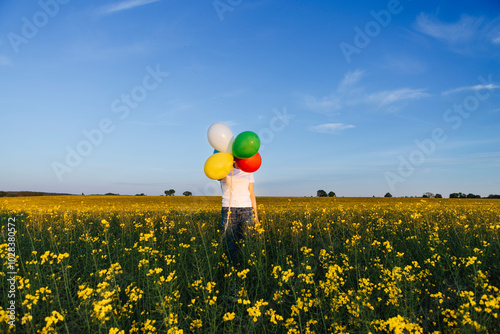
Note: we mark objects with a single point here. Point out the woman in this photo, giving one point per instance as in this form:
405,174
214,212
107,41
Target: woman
239,209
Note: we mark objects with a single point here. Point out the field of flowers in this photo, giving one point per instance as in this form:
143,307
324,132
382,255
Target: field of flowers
117,264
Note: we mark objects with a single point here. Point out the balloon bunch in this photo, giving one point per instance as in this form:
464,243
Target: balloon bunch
242,150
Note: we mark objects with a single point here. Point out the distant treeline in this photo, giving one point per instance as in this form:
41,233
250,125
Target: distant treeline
27,193
462,195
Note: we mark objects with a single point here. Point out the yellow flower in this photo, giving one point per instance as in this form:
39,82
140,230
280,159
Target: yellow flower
175,330
105,224
471,260
44,257
84,291
254,311
244,301
196,324
133,292
243,274
172,319
307,251
388,246
154,271
146,236
276,270
143,262
210,286
114,330
229,316
53,319
286,275
274,316
61,257
169,278
148,326
24,283
26,318
102,310
170,259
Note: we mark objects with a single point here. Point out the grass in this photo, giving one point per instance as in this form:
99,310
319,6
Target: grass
115,264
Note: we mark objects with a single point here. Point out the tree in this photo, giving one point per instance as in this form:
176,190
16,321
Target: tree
331,194
388,195
428,195
187,193
439,196
461,195
321,193
493,196
170,192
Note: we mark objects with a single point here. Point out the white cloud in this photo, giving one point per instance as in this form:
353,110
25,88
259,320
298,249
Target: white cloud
391,96
350,93
470,88
333,128
469,35
124,5
464,30
351,78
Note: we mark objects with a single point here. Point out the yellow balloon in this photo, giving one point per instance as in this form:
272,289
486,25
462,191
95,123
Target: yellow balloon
218,165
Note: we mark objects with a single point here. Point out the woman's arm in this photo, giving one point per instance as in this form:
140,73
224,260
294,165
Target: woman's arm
254,202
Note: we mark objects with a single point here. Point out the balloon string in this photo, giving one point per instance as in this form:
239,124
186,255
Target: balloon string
230,198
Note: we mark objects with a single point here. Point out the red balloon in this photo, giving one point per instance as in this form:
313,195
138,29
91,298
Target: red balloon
249,165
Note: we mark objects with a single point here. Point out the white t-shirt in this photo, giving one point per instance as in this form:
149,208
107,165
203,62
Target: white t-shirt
235,188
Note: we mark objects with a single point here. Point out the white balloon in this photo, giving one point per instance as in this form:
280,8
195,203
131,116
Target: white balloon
221,137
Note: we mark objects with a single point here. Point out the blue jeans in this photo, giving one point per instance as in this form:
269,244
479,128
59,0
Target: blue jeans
235,228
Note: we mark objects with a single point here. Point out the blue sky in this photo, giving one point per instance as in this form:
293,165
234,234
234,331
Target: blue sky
360,98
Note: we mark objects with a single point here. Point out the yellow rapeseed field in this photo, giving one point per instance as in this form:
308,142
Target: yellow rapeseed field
138,264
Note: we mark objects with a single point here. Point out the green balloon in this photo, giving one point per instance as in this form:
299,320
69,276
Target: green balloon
246,144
